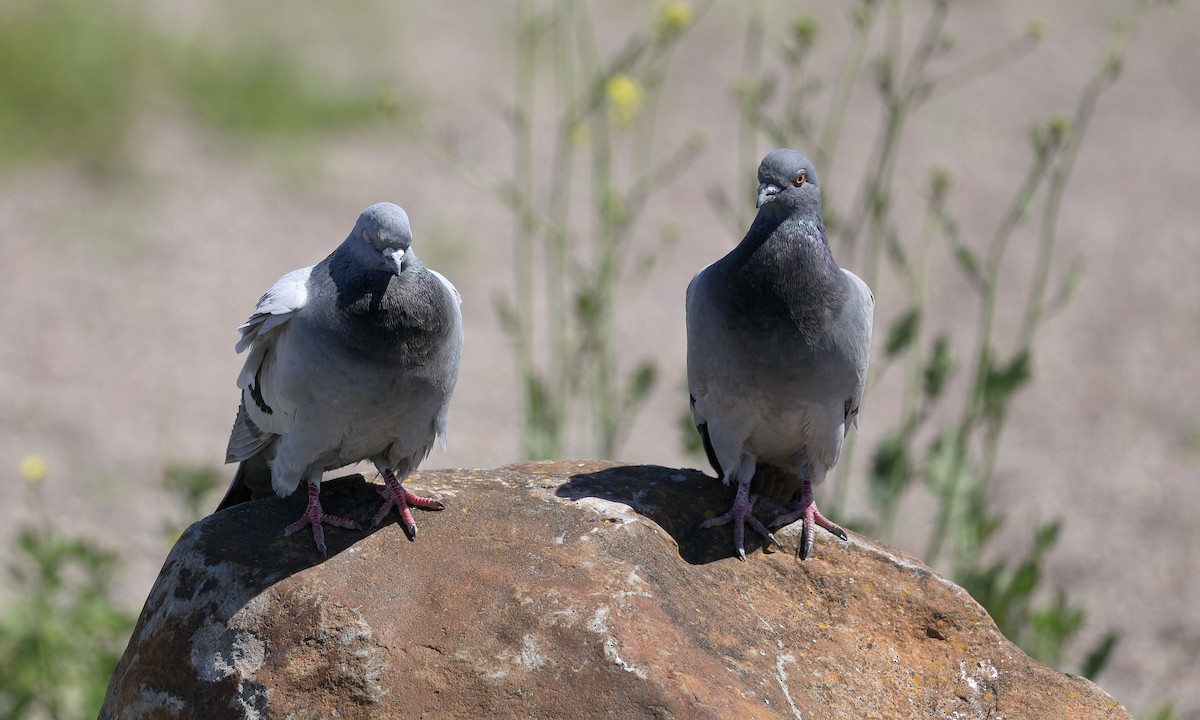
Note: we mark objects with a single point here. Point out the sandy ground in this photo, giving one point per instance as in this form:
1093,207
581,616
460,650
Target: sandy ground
120,298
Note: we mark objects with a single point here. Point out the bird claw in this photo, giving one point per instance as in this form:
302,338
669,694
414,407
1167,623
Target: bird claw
804,549
316,516
397,496
771,541
740,515
813,518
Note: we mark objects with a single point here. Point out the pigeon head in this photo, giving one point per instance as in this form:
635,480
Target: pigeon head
382,238
787,182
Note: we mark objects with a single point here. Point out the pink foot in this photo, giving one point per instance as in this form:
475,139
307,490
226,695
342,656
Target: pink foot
806,508
314,516
395,495
741,513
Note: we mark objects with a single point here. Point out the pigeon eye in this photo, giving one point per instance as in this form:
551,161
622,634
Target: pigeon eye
366,237
800,178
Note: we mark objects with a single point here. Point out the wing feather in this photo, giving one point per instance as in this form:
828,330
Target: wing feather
263,414
275,307
858,323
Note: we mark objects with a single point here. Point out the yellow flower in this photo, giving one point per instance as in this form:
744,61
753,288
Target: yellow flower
624,96
33,468
673,18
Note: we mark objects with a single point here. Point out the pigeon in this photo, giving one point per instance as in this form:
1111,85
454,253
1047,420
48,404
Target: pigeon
778,339
354,358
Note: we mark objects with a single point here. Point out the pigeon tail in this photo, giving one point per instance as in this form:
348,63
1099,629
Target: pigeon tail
252,481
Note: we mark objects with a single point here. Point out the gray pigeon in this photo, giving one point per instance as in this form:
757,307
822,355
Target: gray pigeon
778,341
354,358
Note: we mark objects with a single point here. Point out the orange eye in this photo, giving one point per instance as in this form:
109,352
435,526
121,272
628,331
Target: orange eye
800,178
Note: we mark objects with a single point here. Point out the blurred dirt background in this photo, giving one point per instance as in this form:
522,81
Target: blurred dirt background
123,278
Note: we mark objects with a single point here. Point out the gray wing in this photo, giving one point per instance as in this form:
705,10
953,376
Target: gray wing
854,333
698,314
722,410
701,425
265,413
452,359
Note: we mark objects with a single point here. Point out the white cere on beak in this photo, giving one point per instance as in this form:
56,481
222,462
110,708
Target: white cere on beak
766,193
394,257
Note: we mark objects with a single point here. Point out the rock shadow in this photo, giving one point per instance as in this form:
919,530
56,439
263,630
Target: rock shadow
218,568
258,526
677,500
230,557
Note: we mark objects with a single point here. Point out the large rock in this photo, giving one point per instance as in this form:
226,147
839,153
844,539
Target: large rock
563,590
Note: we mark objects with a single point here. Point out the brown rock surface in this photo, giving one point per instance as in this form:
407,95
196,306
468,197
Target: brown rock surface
566,589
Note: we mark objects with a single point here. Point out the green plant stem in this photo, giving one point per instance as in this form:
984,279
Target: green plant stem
1056,183
559,242
524,225
900,96
835,113
912,403
1100,81
562,321
973,403
980,66
598,288
747,131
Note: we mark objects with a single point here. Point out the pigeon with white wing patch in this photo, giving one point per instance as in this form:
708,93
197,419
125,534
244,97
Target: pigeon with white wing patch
354,358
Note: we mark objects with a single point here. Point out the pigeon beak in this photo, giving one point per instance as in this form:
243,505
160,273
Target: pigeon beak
395,259
766,193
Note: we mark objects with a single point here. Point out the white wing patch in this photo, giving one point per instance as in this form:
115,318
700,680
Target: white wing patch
275,307
263,415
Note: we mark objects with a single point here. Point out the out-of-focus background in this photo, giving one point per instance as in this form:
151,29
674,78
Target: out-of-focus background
162,163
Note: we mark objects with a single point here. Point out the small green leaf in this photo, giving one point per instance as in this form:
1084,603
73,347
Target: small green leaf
940,182
881,201
641,382
979,522
1099,655
1164,712
1025,579
587,306
804,32
941,463
940,367
1002,382
1046,536
903,332
891,470
967,262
